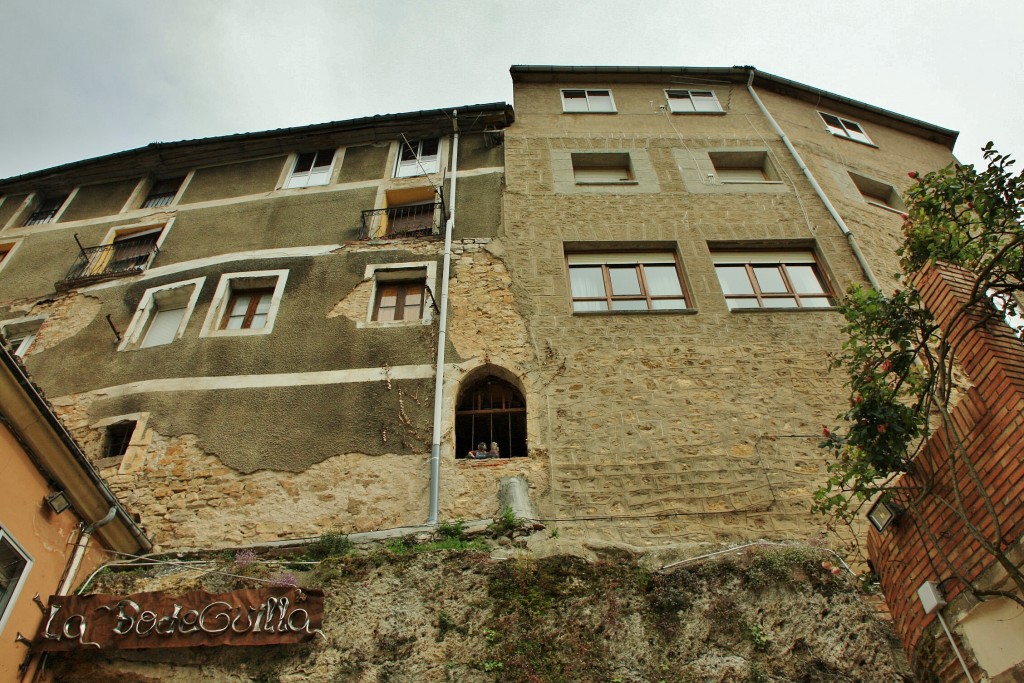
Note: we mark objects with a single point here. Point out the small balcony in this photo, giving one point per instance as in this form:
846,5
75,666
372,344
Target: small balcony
393,222
109,261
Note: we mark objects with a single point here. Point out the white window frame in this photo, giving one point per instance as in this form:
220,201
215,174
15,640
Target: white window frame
295,181
783,258
36,199
845,129
586,97
7,247
8,609
138,328
421,165
27,328
407,270
221,298
673,95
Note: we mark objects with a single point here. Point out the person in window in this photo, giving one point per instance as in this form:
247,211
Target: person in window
495,451
481,452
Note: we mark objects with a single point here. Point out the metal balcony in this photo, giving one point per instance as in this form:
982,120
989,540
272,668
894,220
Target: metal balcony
413,220
108,261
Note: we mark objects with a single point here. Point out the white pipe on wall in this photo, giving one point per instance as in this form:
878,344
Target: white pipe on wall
814,184
449,226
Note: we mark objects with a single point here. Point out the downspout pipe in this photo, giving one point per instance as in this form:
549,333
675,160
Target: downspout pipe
442,331
814,184
80,547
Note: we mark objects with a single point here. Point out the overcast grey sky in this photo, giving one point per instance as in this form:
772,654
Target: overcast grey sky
86,78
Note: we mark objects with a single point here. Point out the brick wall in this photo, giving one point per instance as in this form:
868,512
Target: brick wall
931,542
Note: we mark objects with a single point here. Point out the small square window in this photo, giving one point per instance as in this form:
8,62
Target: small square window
418,157
771,280
245,303
117,438
693,102
401,300
47,207
877,193
311,168
19,334
584,101
401,294
162,193
162,314
14,567
742,167
844,128
625,281
601,168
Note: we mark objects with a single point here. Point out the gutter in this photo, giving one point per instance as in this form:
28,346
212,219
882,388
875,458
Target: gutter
84,466
442,332
814,184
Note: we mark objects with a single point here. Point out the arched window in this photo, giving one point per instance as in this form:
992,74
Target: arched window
490,411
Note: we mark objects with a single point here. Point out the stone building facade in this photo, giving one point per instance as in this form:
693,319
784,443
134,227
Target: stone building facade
213,318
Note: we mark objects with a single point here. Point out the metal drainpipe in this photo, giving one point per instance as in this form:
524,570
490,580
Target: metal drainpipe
814,184
83,543
435,441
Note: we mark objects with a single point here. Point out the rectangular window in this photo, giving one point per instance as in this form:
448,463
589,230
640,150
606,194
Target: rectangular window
311,168
692,101
399,300
117,438
162,193
245,303
418,157
742,167
877,193
247,309
20,333
133,251
844,128
771,280
162,314
582,101
595,168
163,325
46,209
14,566
625,281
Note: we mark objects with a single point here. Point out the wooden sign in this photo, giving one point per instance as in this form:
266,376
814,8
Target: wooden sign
268,616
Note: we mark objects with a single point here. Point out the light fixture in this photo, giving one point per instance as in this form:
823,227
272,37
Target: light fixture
884,512
58,502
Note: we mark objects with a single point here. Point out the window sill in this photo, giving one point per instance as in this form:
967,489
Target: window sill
827,309
589,112
859,142
662,311
607,182
699,113
488,462
751,182
887,208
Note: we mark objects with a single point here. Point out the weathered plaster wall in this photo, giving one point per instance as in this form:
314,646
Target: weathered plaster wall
234,180
9,206
102,199
364,162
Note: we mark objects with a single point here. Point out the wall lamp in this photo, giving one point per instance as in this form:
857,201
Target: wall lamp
884,512
58,502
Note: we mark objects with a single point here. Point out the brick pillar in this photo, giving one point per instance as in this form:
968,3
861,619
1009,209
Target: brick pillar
984,345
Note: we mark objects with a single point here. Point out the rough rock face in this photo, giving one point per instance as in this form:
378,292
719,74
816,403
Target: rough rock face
407,613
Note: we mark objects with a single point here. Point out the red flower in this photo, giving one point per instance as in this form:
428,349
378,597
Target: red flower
913,174
825,432
886,365
881,429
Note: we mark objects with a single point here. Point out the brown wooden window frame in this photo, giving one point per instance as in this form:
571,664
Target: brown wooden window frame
781,263
251,308
405,287
638,264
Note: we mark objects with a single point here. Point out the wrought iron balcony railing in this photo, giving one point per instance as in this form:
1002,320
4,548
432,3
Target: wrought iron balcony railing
413,220
108,261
